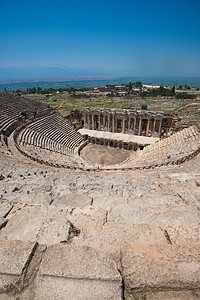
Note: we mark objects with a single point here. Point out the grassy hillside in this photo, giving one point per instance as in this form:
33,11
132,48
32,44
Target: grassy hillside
66,101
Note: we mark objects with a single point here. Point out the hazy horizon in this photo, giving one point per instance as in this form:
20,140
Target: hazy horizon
32,73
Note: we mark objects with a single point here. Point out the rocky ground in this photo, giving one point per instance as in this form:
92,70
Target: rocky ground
106,235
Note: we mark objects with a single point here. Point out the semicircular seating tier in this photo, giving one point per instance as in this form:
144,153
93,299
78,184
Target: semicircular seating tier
14,110
52,133
179,146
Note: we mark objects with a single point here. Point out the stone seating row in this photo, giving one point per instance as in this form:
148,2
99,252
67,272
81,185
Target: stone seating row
176,138
181,143
56,123
8,124
31,137
53,156
49,133
12,104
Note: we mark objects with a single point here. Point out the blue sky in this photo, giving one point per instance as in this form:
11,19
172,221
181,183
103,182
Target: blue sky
148,38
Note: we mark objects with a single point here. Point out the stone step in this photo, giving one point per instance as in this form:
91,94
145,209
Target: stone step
162,215
149,268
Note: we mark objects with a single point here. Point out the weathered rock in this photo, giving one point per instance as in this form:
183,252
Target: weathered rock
46,225
3,222
71,273
73,200
81,216
153,267
5,208
19,265
106,202
2,177
158,215
184,233
47,287
111,237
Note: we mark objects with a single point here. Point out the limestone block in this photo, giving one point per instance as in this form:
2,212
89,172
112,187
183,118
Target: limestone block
83,262
58,288
72,200
77,273
47,225
111,237
22,228
153,267
81,216
156,199
157,215
184,233
106,202
13,257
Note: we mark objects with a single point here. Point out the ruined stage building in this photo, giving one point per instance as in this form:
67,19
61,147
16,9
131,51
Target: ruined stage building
124,121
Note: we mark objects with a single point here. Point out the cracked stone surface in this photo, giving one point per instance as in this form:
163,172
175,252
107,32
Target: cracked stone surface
161,216
3,222
84,269
150,267
184,234
111,237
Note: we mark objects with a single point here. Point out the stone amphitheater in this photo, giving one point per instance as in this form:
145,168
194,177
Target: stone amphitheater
73,229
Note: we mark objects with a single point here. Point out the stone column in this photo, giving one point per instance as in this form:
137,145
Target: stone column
88,119
147,130
154,125
113,125
104,121
92,121
123,125
140,125
84,118
129,123
160,126
109,122
134,123
99,122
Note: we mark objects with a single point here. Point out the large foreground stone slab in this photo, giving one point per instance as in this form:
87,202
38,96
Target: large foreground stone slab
13,256
163,215
58,288
153,267
19,265
77,273
44,224
111,237
83,262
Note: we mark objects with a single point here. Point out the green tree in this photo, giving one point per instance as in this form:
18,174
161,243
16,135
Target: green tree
173,90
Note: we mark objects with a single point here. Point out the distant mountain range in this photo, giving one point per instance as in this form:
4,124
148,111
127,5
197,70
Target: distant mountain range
13,78
38,73
9,74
